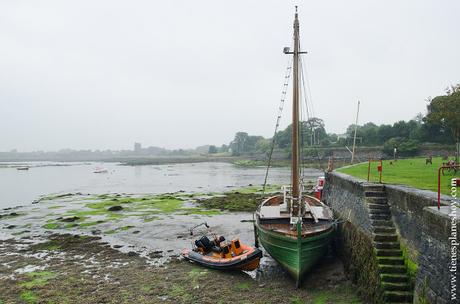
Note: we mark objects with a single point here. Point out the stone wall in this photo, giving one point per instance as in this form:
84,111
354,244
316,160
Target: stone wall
426,232
422,229
354,234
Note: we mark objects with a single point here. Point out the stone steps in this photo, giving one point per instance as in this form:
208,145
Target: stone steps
379,187
389,252
398,296
380,216
379,212
375,207
374,194
391,260
386,245
385,237
394,278
384,229
377,200
396,286
393,272
381,223
392,269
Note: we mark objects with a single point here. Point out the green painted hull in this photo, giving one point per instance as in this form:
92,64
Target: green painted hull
296,255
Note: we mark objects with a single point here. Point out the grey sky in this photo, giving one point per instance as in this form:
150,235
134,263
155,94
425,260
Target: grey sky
103,74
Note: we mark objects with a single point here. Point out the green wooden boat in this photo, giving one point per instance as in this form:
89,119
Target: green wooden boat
299,245
295,229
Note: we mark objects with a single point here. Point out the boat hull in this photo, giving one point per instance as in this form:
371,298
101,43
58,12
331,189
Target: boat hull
295,254
247,261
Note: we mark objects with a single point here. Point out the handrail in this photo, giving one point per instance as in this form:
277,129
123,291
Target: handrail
439,180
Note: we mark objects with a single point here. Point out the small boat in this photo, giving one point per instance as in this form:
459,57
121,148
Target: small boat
22,168
100,170
222,255
294,228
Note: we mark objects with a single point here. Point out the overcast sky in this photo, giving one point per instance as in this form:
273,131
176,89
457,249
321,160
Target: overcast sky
178,74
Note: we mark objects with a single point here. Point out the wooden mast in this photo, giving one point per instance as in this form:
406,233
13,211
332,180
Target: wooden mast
295,118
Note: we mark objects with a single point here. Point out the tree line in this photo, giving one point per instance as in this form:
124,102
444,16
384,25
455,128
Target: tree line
440,125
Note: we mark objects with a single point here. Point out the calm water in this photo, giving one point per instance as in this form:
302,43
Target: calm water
44,178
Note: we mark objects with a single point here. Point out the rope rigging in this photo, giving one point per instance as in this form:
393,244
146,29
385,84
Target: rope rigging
287,76
304,107
302,77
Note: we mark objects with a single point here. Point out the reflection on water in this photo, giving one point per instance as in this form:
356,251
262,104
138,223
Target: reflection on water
19,187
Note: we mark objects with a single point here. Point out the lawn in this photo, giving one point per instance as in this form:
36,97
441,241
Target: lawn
412,172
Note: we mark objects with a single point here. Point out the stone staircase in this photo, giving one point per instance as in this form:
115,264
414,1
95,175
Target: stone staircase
393,272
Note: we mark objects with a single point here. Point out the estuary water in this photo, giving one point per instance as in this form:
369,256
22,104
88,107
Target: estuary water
22,187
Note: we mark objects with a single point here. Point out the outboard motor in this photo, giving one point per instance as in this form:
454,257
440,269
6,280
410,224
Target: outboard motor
204,244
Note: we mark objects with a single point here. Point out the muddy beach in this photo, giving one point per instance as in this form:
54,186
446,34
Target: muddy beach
125,248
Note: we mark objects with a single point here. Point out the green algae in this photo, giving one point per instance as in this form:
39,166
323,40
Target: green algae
168,205
49,245
38,279
150,219
123,228
55,207
89,224
197,211
55,197
51,226
233,201
148,208
257,189
10,215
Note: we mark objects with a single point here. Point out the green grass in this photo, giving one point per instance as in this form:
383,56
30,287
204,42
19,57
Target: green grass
412,172
341,295
242,286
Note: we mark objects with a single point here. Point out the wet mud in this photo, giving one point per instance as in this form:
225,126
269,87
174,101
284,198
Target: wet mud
121,248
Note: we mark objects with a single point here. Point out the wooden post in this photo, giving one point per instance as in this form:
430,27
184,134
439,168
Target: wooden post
354,137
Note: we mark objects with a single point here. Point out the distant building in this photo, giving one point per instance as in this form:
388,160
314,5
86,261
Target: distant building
137,147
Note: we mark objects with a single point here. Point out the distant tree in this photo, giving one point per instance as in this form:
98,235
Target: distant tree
314,127
244,143
251,143
263,145
369,134
239,142
311,132
212,149
223,148
445,111
404,146
283,138
384,133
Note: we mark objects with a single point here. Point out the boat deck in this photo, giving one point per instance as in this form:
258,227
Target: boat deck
274,216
